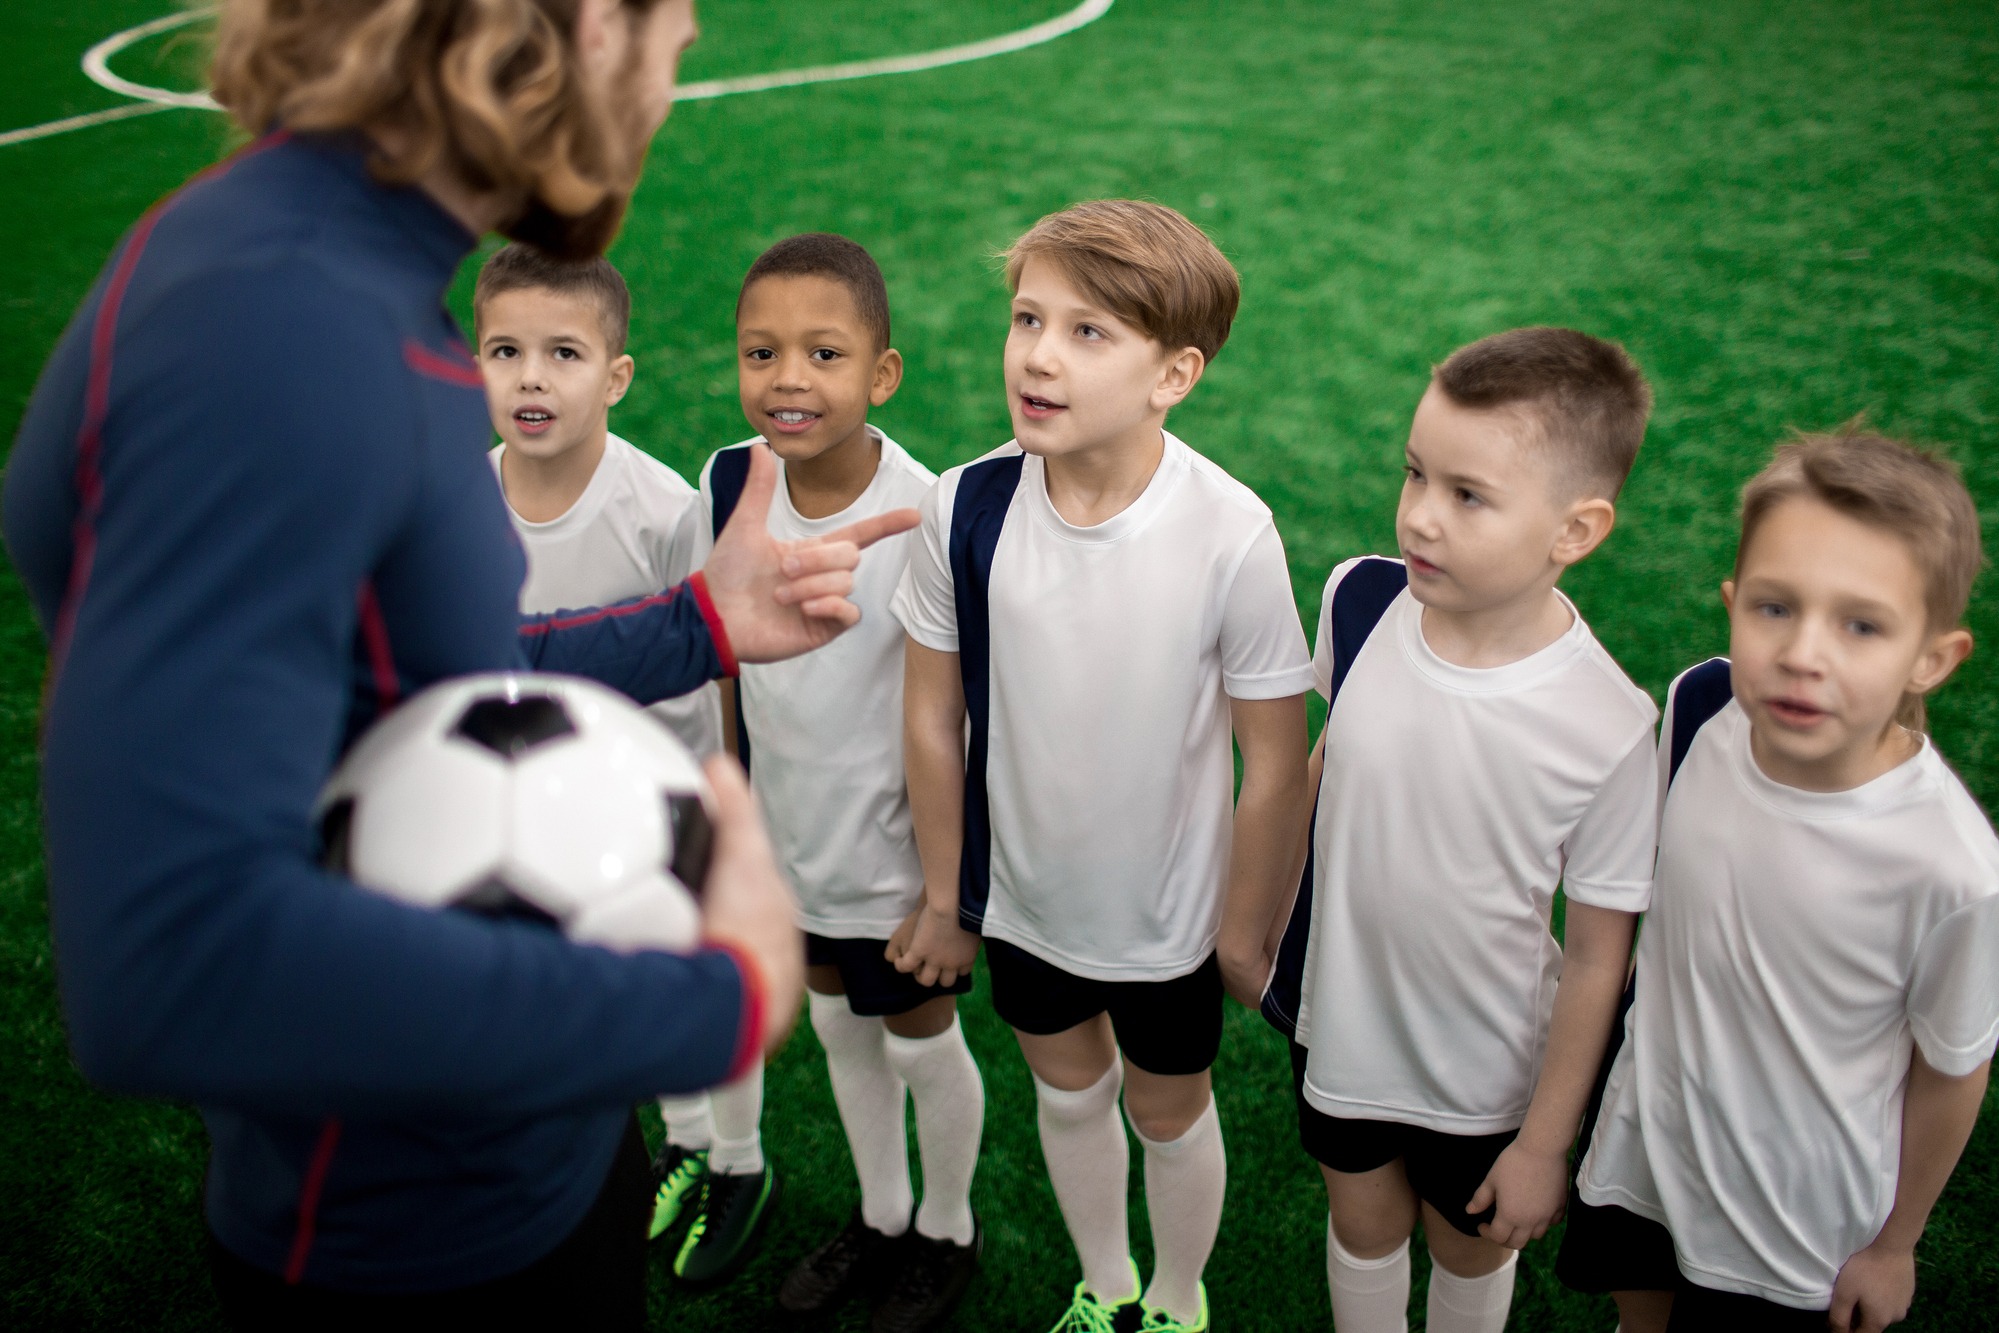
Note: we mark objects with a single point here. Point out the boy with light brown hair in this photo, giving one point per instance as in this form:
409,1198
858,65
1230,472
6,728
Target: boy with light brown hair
1480,748
1093,611
1814,1016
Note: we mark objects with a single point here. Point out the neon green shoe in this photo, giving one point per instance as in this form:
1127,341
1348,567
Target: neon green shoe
678,1172
728,1224
1089,1314
1159,1321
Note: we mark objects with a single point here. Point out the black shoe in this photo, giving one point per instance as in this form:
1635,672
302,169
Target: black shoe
836,1270
929,1278
731,1217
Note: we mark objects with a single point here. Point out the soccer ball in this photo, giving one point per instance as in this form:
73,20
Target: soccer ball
524,795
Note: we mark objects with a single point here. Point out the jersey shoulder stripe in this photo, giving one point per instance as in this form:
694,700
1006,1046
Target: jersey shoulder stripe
985,492
1360,598
1693,699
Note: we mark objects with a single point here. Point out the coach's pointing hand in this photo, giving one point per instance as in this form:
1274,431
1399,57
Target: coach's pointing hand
779,599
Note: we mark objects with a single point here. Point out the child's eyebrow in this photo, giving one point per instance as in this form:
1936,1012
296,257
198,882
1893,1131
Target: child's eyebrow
820,335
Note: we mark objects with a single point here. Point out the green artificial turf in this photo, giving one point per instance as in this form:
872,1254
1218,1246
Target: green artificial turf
1788,211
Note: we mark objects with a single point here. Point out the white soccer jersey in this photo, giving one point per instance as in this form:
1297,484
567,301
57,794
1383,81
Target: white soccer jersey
1114,651
826,729
1454,800
1799,944
637,528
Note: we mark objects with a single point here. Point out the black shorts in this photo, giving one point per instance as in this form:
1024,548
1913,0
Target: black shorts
1606,1248
874,988
1445,1170
1163,1027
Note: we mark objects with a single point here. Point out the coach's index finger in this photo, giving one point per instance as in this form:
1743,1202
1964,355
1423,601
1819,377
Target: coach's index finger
871,530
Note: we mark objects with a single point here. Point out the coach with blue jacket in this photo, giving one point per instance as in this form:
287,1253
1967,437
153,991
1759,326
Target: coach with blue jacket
251,502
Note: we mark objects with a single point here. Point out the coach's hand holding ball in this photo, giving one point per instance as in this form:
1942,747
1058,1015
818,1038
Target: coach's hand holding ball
748,905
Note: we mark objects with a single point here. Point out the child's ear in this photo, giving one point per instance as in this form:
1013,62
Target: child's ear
1177,377
1944,654
888,377
622,370
1728,595
1588,522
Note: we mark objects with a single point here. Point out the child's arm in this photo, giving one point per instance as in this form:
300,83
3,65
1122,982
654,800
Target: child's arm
1315,774
1268,814
930,943
1528,1185
1938,1111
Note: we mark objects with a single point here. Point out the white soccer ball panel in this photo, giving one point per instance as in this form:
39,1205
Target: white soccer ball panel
587,818
430,823
654,912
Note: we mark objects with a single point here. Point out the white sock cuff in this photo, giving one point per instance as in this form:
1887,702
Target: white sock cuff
1475,1295
1080,1103
828,1010
1208,1121
1400,1254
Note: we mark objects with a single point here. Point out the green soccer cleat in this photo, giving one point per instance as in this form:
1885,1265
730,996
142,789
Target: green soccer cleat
1159,1321
1088,1314
678,1173
728,1222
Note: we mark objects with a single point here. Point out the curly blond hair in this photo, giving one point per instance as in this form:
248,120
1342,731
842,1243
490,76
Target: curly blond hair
491,90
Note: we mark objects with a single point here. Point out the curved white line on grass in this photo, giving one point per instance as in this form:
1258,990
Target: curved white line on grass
82,122
97,65
1005,44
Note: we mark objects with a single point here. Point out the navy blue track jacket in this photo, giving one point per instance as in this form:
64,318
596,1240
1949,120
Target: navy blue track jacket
251,502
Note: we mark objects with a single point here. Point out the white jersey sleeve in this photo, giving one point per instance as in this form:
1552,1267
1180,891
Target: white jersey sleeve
925,602
1263,647
1607,860
1954,992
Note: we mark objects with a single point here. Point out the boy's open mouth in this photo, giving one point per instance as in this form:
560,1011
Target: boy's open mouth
1039,409
534,420
1796,712
792,420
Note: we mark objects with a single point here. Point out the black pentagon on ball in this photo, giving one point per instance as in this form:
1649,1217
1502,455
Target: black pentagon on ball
693,841
496,899
512,727
336,834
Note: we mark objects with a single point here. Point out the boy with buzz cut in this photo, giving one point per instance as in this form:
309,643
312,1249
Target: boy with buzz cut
1480,748
822,737
1814,1012
1092,609
601,522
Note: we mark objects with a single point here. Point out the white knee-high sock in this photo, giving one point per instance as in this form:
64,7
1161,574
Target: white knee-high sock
1369,1295
1185,1179
1470,1304
736,1109
950,1120
687,1122
1088,1164
869,1094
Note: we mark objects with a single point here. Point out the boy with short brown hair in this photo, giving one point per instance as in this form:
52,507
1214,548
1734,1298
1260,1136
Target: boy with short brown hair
1480,748
1814,1015
1105,607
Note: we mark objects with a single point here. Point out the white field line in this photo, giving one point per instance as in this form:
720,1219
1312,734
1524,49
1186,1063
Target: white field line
97,65
82,122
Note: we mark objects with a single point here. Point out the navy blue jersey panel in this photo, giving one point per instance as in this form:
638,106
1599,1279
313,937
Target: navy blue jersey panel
1699,694
727,475
251,503
1359,602
985,492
